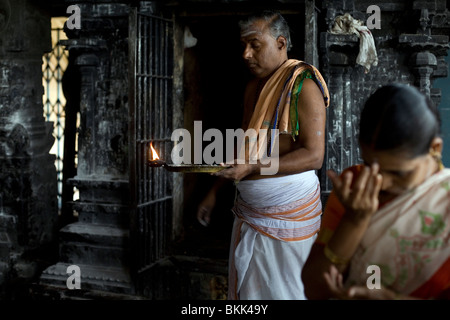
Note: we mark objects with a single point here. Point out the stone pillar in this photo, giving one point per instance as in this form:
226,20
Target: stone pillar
99,241
28,191
423,64
427,49
339,55
311,33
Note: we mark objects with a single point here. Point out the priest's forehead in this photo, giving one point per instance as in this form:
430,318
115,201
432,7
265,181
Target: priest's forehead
257,28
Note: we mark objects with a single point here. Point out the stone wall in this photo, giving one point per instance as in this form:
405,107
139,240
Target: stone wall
28,207
411,46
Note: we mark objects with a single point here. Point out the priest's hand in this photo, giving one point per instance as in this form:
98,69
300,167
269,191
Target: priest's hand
237,171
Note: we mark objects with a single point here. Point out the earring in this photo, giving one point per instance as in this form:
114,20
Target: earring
438,157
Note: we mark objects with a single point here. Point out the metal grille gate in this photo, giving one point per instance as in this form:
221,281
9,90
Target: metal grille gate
150,111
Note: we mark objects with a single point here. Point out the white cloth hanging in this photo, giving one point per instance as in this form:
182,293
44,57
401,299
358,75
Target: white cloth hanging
346,24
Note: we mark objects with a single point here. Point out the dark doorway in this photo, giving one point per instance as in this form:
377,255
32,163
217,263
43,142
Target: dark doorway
215,78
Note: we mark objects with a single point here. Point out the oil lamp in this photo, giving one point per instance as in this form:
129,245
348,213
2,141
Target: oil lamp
156,162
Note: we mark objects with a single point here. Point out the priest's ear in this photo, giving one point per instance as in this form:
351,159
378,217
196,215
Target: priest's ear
281,42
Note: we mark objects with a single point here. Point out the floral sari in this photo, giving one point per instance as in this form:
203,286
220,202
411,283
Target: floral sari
408,239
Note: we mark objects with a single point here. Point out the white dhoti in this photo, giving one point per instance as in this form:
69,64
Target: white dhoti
276,223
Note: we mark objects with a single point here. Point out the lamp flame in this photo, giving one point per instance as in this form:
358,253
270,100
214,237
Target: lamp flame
154,153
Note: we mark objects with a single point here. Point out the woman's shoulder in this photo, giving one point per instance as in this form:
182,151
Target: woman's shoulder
441,179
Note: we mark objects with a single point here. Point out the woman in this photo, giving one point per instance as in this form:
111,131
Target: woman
392,213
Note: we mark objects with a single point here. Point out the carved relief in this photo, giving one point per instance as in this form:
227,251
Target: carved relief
5,14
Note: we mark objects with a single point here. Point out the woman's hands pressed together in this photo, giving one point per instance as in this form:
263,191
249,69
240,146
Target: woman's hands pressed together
358,195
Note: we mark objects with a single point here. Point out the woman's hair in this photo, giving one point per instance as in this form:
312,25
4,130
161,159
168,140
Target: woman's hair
399,117
277,24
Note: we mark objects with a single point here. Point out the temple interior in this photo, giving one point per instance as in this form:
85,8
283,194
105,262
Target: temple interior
86,86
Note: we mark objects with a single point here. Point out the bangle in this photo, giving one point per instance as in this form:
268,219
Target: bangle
333,257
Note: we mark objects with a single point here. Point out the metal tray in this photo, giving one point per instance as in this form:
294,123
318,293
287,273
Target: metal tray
194,168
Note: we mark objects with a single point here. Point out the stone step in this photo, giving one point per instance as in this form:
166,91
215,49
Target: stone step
102,213
103,255
52,293
105,279
93,244
94,234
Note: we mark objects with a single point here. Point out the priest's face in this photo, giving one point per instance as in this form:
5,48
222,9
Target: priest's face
263,54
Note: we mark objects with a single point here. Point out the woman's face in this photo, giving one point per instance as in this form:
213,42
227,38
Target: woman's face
400,173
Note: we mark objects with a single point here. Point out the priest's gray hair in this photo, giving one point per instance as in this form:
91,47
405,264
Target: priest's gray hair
277,25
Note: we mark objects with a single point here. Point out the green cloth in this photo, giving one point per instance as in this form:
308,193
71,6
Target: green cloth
293,109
